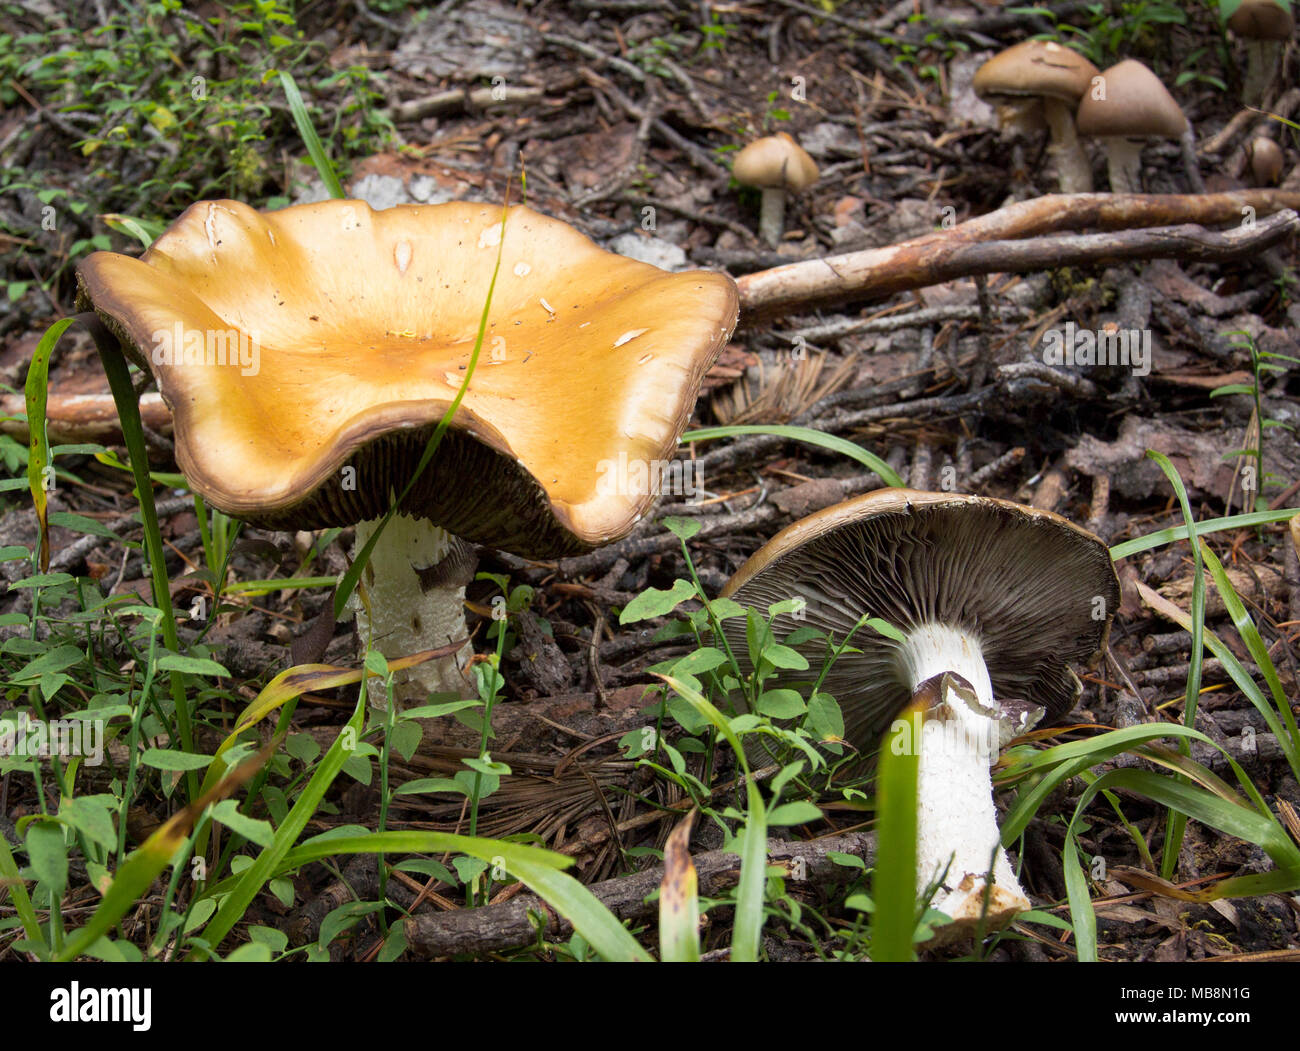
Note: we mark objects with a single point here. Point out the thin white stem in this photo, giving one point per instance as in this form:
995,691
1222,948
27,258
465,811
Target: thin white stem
1124,163
1073,169
1263,57
957,825
771,220
408,611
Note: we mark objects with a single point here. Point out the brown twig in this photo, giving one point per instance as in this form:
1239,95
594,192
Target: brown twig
971,249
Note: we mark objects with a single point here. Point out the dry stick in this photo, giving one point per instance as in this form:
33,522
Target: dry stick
497,928
928,259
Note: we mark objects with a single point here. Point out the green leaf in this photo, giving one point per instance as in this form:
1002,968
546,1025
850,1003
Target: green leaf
682,528
253,829
48,855
783,657
780,704
433,711
192,665
166,759
656,602
92,817
405,739
800,812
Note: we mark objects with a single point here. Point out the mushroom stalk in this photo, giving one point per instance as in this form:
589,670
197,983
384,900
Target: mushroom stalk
771,220
1073,169
1262,60
1124,164
957,826
415,585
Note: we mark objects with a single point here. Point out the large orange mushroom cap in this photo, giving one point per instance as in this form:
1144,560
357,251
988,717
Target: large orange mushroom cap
357,327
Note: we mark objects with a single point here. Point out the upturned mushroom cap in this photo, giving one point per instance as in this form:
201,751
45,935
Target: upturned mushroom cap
1036,590
364,323
1262,20
1135,105
1035,68
776,161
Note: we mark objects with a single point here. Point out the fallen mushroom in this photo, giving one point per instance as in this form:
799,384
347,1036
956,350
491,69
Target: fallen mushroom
1265,26
1035,82
995,600
359,327
1130,106
775,164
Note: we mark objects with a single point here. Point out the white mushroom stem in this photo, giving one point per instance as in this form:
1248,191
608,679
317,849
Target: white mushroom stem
1073,169
957,826
1263,57
1124,164
771,220
411,609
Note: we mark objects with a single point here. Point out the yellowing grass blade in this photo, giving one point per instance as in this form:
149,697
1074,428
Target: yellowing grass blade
679,902
133,878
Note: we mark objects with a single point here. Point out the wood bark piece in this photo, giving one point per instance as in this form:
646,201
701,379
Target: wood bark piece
924,260
497,928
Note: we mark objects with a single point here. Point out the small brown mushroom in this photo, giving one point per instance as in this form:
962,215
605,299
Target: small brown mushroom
1265,26
1266,161
1037,81
775,164
1128,106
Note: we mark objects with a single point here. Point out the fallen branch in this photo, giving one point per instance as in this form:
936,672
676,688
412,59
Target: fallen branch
929,259
82,417
497,928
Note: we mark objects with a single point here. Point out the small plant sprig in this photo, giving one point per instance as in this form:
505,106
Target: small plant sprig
1253,476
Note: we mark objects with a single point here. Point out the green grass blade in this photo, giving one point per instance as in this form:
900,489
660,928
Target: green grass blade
307,132
1177,822
1218,525
803,434
22,902
40,474
1064,761
1082,914
590,918
269,860
1258,651
750,891
894,879
539,870
133,878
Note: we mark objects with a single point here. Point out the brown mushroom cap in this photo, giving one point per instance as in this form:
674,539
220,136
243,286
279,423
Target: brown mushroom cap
1266,161
365,322
1262,20
775,161
1027,583
1136,105
1035,68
